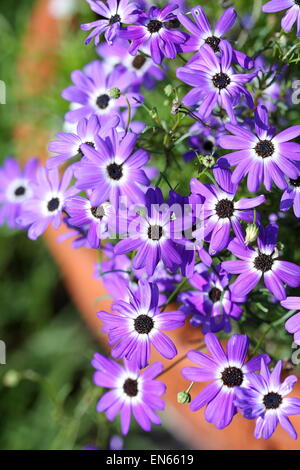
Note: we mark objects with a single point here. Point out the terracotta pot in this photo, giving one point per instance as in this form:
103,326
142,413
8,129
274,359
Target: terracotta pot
37,71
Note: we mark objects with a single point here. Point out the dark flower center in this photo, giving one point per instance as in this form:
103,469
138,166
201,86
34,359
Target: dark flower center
155,232
143,324
91,144
213,42
272,400
208,146
215,294
20,191
295,183
102,101
263,262
221,80
154,26
172,24
232,376
115,171
138,61
98,212
53,204
297,2
130,387
224,208
264,148
114,19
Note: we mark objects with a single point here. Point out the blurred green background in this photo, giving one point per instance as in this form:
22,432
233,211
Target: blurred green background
47,399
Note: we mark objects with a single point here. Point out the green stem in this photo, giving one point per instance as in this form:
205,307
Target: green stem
173,295
272,325
129,114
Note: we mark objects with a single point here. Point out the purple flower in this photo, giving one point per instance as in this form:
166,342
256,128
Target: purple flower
203,33
214,82
146,73
188,231
154,32
291,196
15,189
69,144
264,399
263,156
211,304
221,212
293,324
47,202
261,262
153,241
133,392
113,170
226,372
138,324
112,14
291,16
90,93
95,220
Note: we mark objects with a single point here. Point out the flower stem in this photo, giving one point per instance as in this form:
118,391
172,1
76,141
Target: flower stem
272,325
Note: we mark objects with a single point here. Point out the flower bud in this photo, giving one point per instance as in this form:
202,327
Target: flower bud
183,398
251,233
11,378
114,93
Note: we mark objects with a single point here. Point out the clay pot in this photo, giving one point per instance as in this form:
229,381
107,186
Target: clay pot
37,71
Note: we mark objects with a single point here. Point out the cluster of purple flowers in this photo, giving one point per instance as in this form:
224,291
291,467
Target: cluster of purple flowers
107,192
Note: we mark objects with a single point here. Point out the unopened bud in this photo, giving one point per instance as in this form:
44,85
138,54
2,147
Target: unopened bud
251,233
114,93
183,398
11,378
168,90
175,107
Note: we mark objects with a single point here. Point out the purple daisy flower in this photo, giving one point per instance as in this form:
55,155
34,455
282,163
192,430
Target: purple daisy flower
202,33
293,324
154,31
15,189
291,196
261,262
69,144
264,398
113,171
47,203
292,15
146,73
90,93
222,212
112,14
95,220
154,238
138,324
211,304
226,371
264,156
214,82
133,392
